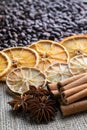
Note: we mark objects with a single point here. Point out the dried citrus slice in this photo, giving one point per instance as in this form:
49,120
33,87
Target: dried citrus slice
20,79
50,52
22,56
75,44
5,64
78,64
57,72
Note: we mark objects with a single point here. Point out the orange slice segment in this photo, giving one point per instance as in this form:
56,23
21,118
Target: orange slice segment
50,52
20,79
78,64
75,44
57,72
22,56
5,64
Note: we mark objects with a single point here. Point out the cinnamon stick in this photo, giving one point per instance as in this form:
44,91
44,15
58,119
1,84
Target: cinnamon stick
74,108
75,83
69,80
54,89
74,90
52,86
75,97
55,92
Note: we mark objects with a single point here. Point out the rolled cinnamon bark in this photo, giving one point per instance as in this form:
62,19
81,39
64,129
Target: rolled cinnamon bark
55,92
54,89
74,108
52,86
69,80
77,82
75,97
74,90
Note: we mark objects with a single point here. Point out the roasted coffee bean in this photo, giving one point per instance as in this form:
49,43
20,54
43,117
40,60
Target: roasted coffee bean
23,22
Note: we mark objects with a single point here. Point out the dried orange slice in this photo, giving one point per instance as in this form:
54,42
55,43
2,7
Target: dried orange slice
20,79
78,64
57,72
22,56
5,64
50,52
75,44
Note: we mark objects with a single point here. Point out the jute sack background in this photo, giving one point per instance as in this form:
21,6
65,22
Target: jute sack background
12,121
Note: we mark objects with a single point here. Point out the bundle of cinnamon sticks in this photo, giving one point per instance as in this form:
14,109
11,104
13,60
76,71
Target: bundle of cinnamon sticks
72,93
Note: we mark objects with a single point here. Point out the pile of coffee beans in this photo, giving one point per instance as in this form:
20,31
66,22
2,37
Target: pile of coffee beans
25,21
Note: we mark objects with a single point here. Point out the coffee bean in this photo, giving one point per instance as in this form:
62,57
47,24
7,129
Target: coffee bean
24,22
23,35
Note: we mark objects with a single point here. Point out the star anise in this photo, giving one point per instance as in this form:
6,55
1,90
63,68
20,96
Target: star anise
42,109
20,103
37,92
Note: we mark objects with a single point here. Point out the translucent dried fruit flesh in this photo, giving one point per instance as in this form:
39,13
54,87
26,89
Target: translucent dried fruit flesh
19,80
5,64
78,64
21,56
50,52
75,44
57,72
